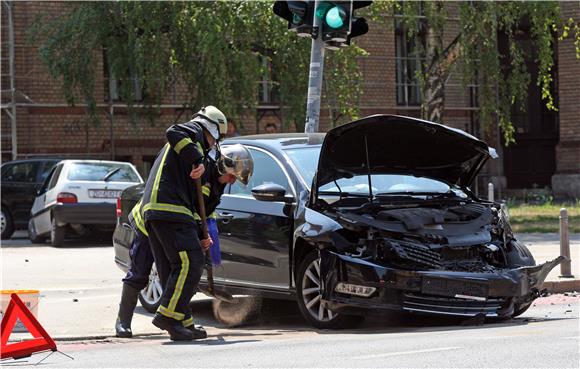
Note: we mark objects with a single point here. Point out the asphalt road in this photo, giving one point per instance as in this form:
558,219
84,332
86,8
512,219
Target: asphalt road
545,337
80,287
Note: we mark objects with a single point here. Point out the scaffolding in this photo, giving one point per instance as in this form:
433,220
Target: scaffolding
7,85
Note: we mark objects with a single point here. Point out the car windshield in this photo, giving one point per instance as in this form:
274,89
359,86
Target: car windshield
112,172
306,161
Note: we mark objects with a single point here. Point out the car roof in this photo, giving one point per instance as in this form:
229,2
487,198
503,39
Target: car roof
32,160
279,141
78,161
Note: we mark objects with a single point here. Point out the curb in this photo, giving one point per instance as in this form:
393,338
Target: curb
564,285
103,337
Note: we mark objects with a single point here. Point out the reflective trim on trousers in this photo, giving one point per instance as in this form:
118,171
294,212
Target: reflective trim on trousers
170,314
180,281
187,322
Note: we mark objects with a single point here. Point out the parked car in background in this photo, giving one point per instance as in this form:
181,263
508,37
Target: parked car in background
79,195
375,215
20,181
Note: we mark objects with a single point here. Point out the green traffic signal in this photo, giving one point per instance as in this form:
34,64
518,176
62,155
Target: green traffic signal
336,17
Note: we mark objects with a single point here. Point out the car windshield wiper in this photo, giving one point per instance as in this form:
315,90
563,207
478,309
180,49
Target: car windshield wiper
343,194
414,193
110,174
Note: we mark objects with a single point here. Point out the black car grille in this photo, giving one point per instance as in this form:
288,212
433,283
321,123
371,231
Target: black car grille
451,306
414,254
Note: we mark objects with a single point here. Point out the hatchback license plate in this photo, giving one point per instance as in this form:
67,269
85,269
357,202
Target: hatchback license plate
453,287
104,194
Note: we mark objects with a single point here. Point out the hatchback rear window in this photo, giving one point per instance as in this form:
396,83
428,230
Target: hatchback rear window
102,172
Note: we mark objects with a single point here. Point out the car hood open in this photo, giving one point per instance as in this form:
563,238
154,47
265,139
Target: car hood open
401,145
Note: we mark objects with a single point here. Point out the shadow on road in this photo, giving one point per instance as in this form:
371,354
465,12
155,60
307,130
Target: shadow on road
277,317
95,239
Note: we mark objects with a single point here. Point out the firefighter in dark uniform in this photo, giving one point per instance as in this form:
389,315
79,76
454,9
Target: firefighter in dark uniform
235,162
169,205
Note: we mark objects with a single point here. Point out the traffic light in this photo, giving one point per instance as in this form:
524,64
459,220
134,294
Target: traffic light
299,14
339,24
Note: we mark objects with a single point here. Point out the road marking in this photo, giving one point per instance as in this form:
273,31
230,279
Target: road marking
406,352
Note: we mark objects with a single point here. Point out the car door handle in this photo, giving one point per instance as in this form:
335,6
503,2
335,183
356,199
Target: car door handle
225,217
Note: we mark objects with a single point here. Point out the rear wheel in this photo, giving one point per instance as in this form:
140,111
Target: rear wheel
56,234
309,298
150,296
6,224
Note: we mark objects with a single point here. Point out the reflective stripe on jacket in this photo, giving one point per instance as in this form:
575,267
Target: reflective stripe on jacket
170,192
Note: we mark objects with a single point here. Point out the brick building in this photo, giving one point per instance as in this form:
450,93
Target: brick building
547,153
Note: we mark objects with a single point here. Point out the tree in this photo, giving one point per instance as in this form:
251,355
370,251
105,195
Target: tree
501,74
210,47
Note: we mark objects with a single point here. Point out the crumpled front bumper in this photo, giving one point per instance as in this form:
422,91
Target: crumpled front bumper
431,292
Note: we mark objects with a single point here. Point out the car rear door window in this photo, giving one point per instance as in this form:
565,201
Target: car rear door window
100,172
54,177
266,170
45,170
21,172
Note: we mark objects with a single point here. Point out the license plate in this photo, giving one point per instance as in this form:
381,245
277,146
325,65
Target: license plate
104,194
453,287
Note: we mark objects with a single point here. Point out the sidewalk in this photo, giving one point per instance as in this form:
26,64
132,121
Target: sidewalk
546,247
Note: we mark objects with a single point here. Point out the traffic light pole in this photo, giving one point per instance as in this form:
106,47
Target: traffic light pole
315,77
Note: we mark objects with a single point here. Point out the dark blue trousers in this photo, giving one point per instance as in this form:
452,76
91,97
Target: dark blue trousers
141,262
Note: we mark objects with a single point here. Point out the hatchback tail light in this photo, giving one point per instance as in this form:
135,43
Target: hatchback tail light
119,210
66,198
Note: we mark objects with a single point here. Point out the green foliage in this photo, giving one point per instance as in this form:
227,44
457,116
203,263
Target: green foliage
502,75
210,47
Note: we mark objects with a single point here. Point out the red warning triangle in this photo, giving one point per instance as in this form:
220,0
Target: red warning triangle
41,342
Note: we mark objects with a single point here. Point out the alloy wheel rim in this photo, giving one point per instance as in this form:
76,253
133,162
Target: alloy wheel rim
311,296
152,293
3,221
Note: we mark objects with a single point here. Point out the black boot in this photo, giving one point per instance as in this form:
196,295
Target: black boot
177,332
198,331
129,298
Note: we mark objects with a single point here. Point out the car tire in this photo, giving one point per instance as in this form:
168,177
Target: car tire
244,310
32,236
7,224
308,280
519,309
56,234
150,296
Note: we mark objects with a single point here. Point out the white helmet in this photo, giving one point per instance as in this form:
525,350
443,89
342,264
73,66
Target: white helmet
237,160
212,119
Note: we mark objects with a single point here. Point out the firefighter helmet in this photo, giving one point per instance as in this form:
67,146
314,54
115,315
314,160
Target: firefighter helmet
236,160
212,119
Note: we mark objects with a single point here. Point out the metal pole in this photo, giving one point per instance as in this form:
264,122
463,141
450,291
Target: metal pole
490,191
315,77
13,129
566,266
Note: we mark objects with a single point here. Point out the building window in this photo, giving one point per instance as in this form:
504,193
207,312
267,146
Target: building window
268,88
409,60
114,85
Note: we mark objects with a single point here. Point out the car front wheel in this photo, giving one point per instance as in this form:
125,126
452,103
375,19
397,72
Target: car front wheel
6,223
309,297
150,296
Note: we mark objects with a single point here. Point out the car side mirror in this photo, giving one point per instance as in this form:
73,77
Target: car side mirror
271,192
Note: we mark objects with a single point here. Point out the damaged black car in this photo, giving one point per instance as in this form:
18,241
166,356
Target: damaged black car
397,226
376,215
